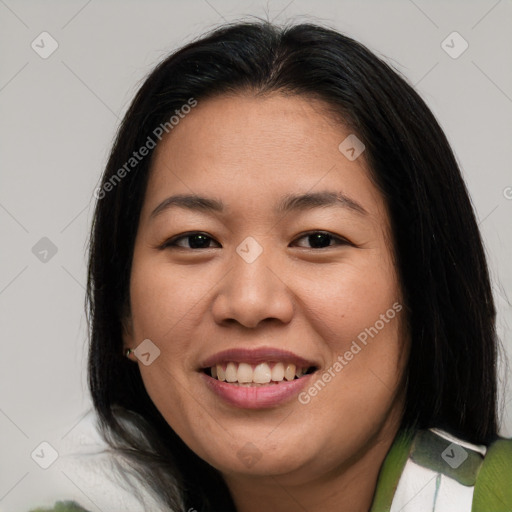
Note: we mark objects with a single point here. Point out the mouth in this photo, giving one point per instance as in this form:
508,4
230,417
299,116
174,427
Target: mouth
257,378
255,375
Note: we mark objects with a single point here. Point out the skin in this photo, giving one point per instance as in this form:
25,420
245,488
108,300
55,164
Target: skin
192,303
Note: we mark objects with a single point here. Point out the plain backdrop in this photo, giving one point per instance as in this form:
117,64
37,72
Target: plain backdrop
58,118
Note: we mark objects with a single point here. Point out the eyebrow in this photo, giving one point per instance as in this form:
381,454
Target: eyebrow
288,203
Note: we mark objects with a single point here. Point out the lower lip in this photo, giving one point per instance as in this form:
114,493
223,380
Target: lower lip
257,397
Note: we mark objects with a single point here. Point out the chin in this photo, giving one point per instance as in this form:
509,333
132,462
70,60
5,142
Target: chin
250,460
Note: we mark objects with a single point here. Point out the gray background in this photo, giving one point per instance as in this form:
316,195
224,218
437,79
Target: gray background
58,119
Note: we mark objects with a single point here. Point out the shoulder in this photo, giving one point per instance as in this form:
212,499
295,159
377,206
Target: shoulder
493,488
86,476
436,471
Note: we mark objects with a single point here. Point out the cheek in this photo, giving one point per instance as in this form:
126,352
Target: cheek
344,303
164,301
358,316
163,307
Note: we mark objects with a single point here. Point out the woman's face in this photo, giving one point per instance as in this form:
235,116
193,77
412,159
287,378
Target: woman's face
260,290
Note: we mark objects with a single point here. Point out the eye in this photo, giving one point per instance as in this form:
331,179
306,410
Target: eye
322,239
196,241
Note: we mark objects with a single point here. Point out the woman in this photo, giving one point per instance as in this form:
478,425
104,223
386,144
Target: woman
289,300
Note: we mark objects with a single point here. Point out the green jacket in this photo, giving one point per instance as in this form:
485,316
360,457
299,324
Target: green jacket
436,472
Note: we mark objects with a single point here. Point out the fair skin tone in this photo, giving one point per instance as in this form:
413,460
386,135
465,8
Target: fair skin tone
249,152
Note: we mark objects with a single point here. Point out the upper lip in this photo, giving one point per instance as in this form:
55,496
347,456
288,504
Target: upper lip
256,356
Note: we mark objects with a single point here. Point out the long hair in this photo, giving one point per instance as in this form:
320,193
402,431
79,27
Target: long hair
441,264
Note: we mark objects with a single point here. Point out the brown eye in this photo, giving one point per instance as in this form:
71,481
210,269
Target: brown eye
195,241
322,239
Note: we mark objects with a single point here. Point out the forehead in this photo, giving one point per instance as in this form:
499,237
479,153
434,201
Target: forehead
242,129
252,149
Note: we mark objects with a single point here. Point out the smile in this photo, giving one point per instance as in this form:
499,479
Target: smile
245,374
256,378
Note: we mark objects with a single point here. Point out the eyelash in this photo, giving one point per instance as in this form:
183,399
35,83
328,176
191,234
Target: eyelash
171,243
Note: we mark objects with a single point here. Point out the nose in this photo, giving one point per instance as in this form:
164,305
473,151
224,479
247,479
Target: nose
252,293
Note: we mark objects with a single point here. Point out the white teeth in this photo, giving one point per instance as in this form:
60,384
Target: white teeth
262,373
245,373
231,372
221,374
289,373
278,372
